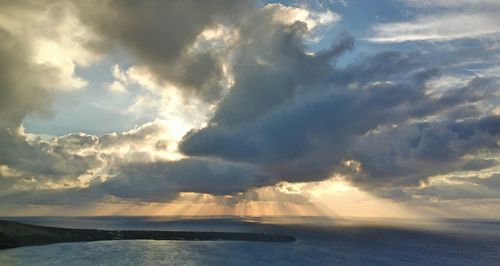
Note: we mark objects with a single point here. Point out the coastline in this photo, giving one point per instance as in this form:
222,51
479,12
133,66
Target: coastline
17,234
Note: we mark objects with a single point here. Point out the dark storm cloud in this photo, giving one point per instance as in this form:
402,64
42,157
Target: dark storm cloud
409,154
298,116
162,181
478,164
463,187
273,68
60,196
159,181
311,132
160,33
19,82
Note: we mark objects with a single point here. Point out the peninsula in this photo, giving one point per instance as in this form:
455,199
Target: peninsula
16,234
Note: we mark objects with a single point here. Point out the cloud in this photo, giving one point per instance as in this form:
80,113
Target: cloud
303,138
59,50
28,83
77,159
304,118
409,154
451,3
162,43
137,165
34,65
388,122
159,181
162,181
442,27
114,164
442,21
18,99
288,15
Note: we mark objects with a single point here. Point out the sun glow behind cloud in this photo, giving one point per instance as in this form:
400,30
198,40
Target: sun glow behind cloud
236,104
332,198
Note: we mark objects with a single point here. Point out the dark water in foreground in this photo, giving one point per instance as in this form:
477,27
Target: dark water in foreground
320,242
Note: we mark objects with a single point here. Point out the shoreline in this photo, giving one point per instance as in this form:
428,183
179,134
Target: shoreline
17,234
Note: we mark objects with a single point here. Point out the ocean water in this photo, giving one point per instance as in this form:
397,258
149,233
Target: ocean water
320,241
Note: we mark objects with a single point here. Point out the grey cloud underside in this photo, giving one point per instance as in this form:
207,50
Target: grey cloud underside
290,116
299,116
133,177
467,188
166,179
19,98
155,181
411,153
303,138
159,34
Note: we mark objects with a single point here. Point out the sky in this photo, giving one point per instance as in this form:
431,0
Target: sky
252,108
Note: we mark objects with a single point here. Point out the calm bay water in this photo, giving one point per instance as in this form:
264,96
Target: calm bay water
320,242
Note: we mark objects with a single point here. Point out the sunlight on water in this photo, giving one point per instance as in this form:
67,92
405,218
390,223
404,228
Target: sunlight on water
322,241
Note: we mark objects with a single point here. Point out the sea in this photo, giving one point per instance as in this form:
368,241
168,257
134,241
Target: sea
320,241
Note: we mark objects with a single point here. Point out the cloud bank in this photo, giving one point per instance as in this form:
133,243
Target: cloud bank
386,122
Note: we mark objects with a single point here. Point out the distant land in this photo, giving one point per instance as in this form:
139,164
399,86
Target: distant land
16,234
